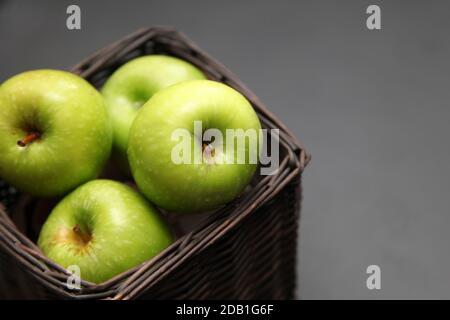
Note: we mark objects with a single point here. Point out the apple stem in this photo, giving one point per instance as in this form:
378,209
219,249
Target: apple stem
85,238
30,137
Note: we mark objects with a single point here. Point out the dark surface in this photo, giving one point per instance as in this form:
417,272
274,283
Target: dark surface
371,107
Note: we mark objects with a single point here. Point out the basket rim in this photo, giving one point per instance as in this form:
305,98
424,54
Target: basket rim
133,281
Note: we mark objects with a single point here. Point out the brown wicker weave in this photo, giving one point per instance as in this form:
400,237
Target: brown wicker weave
246,250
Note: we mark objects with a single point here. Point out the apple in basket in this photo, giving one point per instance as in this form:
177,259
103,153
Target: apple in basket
55,133
103,227
130,86
194,146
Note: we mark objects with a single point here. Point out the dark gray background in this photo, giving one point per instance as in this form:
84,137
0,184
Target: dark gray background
371,106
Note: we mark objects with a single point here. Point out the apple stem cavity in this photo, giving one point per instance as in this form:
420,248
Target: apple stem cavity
29,138
83,237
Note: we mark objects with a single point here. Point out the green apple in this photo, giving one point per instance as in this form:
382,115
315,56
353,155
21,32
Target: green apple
130,86
104,228
193,186
55,132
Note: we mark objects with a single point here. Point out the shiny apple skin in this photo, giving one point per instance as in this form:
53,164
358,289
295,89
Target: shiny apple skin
132,85
122,230
189,188
75,132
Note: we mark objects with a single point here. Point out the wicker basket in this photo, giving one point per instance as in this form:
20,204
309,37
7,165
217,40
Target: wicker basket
246,250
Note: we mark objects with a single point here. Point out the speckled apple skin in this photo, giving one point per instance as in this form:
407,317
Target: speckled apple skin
125,229
188,188
76,134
